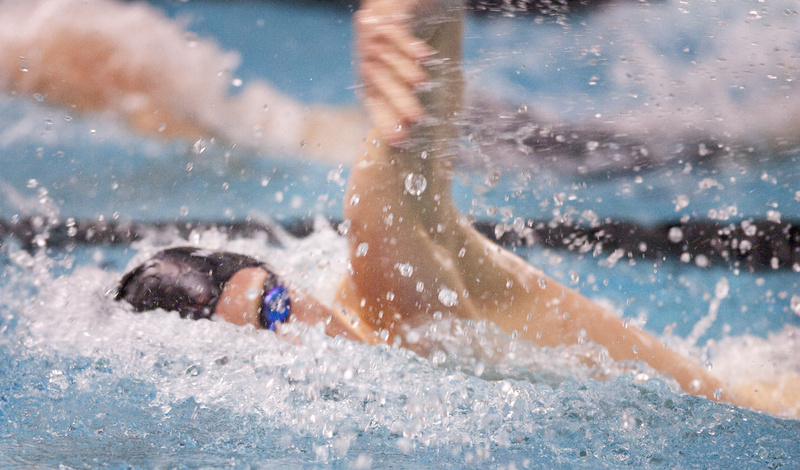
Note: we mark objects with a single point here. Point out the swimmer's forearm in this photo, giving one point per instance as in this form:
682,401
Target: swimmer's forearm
626,342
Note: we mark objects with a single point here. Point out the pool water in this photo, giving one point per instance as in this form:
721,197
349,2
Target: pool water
85,383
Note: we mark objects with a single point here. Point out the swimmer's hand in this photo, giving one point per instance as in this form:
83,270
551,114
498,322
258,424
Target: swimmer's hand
390,65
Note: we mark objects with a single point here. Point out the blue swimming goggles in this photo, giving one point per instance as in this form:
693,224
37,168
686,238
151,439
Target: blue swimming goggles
277,306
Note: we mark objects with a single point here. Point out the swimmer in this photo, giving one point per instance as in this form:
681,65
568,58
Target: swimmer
96,56
413,256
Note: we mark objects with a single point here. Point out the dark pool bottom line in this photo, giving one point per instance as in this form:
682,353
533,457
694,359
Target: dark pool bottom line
750,244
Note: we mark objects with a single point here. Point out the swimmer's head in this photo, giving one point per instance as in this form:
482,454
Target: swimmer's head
190,281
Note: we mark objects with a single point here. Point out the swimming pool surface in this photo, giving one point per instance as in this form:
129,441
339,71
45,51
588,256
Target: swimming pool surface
86,384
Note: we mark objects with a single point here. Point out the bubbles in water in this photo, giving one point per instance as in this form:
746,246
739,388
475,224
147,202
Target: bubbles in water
362,249
447,297
675,234
415,184
406,270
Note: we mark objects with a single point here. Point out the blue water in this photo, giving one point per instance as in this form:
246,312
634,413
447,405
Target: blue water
87,384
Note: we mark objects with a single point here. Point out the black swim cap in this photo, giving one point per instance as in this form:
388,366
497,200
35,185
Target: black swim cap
185,280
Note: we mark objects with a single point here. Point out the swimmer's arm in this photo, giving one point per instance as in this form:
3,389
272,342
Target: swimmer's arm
626,342
390,61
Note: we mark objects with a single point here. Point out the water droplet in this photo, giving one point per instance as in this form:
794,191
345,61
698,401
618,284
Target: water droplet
675,234
774,216
390,296
424,156
492,179
794,302
199,146
574,277
398,128
448,297
355,199
32,183
252,294
415,184
344,227
681,202
225,186
592,145
522,109
362,249
184,211
542,283
302,144
421,288
406,270
721,289
462,252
